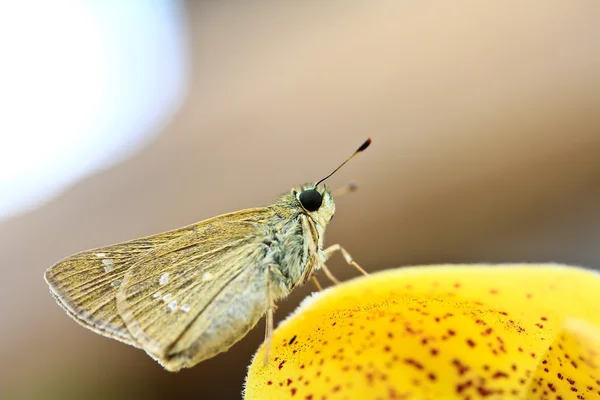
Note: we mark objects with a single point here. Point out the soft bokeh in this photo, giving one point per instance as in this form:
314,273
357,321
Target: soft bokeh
486,148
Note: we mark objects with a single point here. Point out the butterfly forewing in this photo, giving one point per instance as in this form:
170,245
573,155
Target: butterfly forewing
167,296
86,284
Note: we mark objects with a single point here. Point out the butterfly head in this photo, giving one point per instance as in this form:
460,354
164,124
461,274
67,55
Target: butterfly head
316,202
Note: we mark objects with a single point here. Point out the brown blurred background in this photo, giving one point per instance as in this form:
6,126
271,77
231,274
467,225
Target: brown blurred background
486,141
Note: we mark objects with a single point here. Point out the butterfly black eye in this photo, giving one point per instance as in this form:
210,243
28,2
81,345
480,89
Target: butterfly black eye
311,200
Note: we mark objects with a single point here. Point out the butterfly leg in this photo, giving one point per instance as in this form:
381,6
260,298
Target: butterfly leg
316,282
309,227
268,334
336,247
328,273
270,271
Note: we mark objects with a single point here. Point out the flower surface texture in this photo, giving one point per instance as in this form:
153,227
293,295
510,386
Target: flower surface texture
510,331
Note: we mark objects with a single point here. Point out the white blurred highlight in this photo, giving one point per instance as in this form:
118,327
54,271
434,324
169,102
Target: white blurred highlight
84,84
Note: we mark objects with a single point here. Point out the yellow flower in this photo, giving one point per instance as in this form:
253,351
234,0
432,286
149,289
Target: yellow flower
441,332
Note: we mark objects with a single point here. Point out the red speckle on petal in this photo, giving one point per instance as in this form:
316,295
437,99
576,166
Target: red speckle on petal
461,387
500,374
461,368
484,392
414,363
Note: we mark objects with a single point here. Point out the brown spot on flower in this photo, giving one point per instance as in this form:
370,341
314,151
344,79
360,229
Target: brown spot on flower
461,387
484,392
414,363
460,367
499,374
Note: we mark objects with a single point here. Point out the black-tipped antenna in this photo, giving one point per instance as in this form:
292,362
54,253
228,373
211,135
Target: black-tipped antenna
360,149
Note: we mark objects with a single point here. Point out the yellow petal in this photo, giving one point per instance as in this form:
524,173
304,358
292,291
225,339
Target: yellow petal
437,332
571,366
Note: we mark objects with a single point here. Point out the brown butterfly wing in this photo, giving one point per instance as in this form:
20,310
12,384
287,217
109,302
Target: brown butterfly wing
86,284
170,296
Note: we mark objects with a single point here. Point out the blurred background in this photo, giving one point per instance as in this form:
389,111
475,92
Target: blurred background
124,119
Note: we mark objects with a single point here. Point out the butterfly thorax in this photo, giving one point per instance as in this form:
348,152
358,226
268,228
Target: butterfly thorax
297,236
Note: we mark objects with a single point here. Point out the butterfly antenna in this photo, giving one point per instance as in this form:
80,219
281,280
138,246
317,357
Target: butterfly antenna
359,150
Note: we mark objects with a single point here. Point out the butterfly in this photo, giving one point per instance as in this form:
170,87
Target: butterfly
185,295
